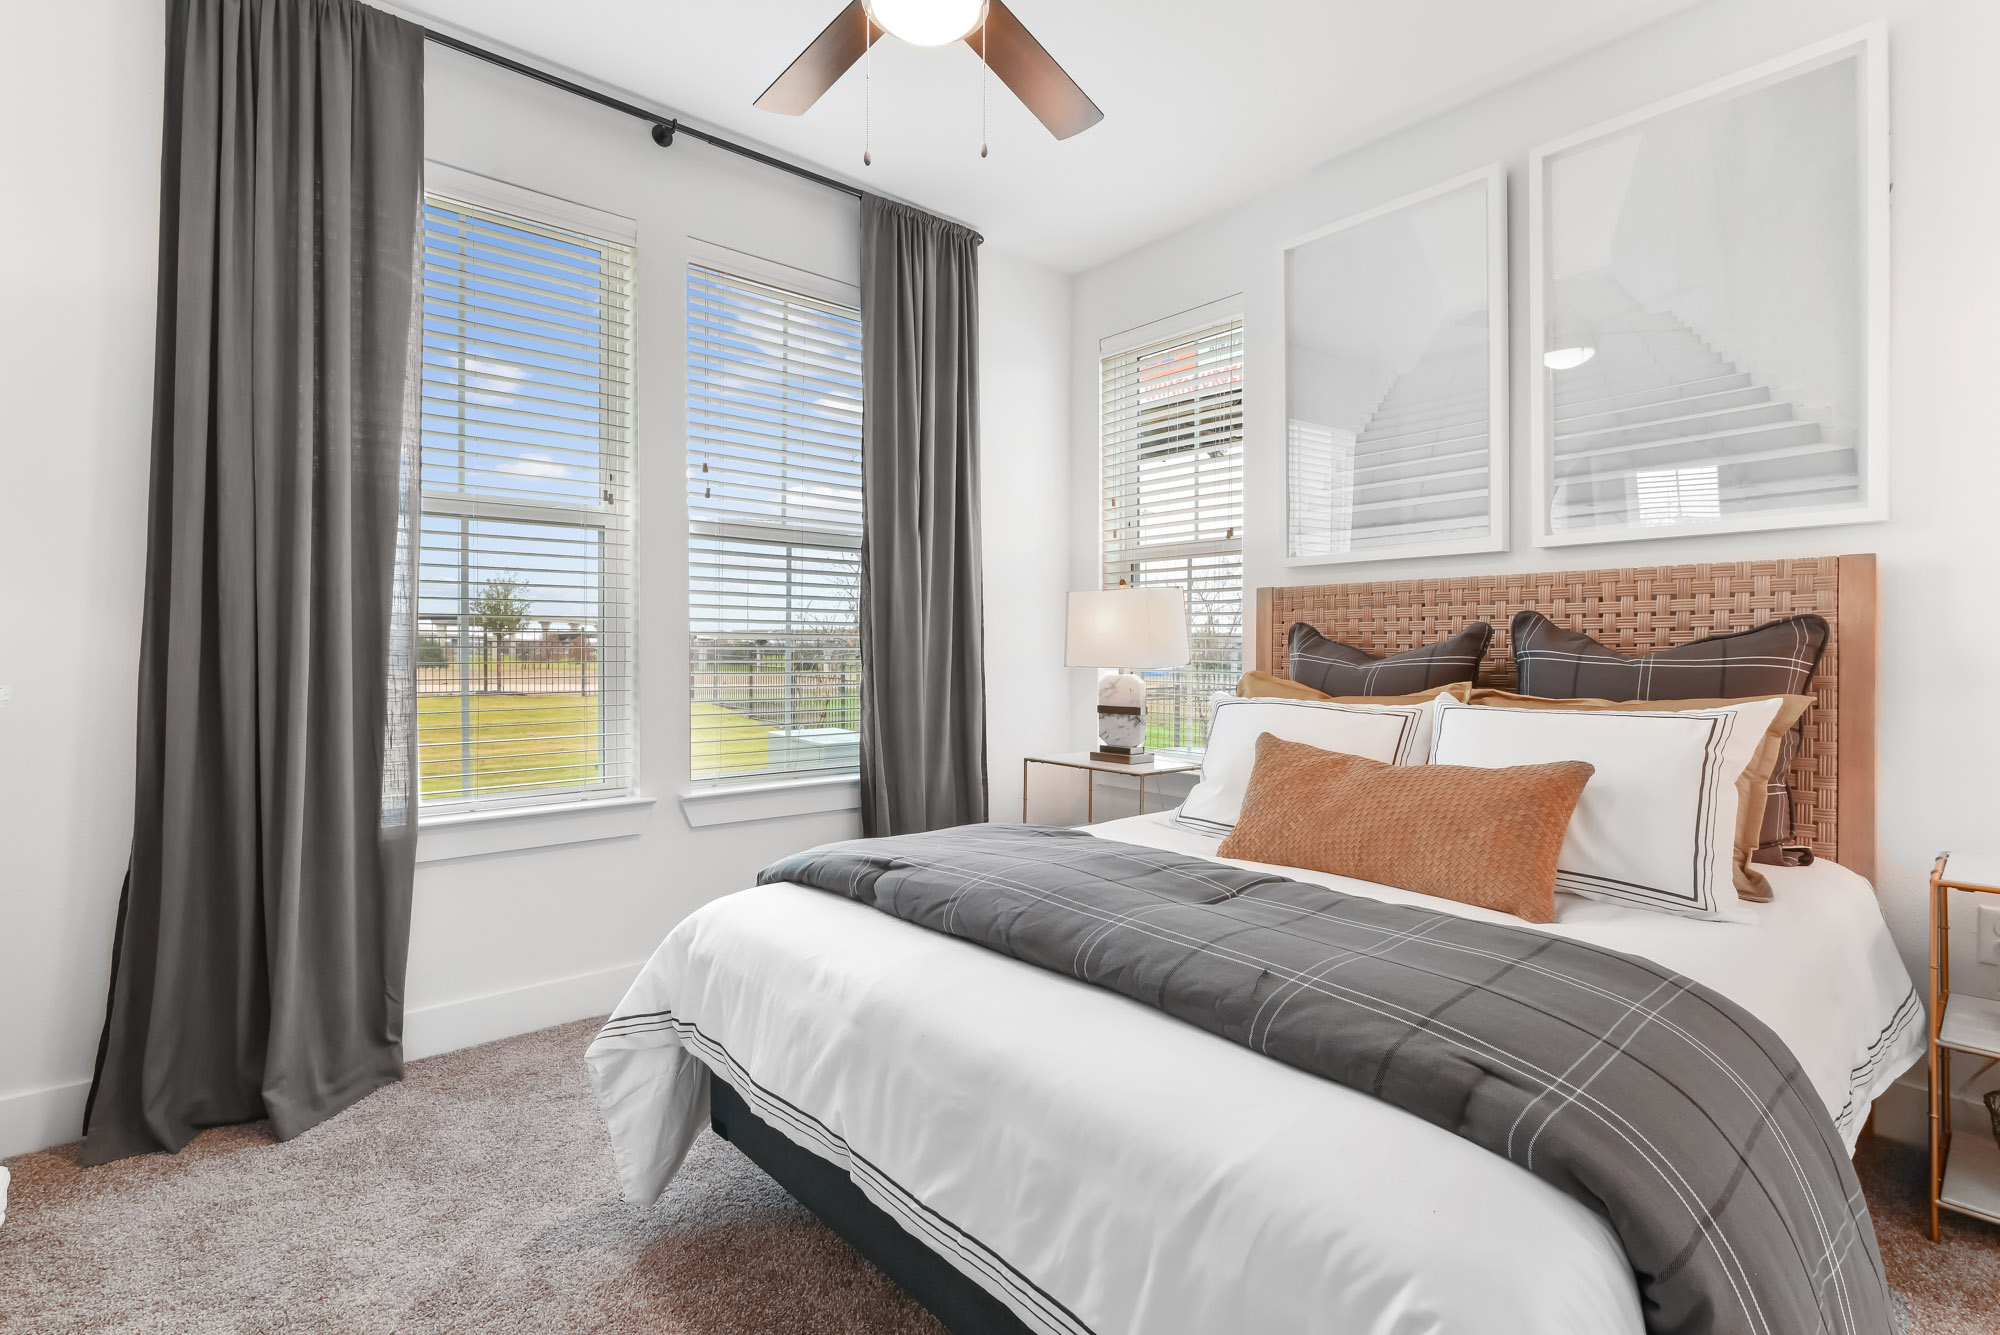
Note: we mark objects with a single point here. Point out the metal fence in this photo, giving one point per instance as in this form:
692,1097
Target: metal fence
792,685
1177,704
802,680
542,658
774,704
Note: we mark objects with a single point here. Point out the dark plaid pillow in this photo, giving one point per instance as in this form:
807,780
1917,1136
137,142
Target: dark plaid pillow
1341,669
1776,658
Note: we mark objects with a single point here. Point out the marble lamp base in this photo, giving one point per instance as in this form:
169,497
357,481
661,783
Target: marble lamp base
1121,720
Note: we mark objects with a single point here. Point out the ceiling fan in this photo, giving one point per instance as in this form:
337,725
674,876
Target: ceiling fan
1010,51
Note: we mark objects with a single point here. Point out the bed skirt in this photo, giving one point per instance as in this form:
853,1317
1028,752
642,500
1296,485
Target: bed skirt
827,1190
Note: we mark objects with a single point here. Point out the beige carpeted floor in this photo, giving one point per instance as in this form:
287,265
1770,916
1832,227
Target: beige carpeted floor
478,1196
1950,1287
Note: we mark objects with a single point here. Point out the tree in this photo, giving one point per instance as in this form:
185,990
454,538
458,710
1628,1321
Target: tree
823,649
498,610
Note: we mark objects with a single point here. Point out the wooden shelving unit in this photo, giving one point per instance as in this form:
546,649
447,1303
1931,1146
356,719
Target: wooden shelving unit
1965,1175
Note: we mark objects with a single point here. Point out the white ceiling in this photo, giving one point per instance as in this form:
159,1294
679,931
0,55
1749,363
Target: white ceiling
1203,102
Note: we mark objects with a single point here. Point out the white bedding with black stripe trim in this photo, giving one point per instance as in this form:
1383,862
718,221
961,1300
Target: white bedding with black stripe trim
1099,1166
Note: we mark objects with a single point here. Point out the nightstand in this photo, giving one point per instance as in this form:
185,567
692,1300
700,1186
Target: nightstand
1152,769
1964,1177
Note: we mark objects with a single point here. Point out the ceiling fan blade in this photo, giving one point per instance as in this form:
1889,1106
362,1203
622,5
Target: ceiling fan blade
819,66
1041,84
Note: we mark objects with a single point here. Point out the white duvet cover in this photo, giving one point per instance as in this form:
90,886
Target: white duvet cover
1100,1166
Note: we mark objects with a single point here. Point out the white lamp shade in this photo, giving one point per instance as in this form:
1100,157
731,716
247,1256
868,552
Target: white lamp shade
1127,628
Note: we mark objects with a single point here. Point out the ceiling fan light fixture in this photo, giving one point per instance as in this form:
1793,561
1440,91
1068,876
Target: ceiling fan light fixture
926,22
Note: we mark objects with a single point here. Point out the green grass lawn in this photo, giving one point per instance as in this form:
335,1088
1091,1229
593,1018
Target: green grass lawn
523,742
726,742
1161,736
519,742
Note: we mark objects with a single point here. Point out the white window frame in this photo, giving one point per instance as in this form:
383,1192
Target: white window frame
1183,324
728,799
467,827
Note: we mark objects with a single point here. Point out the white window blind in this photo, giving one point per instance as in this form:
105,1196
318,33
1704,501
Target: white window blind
1319,487
774,529
524,644
1173,508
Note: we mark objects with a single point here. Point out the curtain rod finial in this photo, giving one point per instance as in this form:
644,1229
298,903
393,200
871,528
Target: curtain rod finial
663,132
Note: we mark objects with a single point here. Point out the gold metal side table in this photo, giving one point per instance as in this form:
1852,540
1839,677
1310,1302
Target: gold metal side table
1152,769
1964,1177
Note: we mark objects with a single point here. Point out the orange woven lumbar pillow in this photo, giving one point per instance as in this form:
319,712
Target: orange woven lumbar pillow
1488,837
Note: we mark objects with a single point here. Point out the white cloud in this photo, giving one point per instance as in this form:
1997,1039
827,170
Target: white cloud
800,494
535,465
504,370
500,378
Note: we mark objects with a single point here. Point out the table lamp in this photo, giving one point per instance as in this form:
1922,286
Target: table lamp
1125,628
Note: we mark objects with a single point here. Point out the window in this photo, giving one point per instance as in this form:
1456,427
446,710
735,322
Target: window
774,529
523,611
1319,487
1678,495
1173,508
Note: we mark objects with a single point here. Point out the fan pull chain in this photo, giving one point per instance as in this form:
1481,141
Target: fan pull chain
982,87
868,95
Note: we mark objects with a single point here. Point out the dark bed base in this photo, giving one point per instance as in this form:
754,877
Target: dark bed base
964,1307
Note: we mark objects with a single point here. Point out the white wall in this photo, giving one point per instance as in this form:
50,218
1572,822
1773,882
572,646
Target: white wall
1024,360
80,89
500,943
1942,543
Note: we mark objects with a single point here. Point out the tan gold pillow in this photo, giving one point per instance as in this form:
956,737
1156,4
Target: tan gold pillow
1264,686
1488,837
1751,786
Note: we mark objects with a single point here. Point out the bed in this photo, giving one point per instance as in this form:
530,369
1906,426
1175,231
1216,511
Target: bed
1027,1152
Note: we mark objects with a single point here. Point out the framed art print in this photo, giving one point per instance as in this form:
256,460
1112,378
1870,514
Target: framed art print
1396,378
1708,307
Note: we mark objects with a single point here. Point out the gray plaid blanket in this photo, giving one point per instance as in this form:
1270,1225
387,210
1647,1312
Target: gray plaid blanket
1650,1098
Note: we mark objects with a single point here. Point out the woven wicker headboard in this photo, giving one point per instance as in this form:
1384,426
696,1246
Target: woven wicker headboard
1636,611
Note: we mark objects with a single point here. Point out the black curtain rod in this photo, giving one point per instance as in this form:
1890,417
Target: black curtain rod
664,129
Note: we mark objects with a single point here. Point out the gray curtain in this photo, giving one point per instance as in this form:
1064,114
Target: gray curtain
262,933
923,681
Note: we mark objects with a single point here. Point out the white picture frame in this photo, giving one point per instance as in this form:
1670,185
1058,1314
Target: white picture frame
1777,303
1424,248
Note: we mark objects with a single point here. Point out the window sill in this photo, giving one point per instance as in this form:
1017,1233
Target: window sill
473,833
728,804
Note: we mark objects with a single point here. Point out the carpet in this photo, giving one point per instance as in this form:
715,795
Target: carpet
1950,1287
478,1196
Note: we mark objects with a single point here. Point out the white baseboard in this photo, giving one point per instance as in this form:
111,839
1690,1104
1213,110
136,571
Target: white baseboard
1903,1110
35,1119
451,1025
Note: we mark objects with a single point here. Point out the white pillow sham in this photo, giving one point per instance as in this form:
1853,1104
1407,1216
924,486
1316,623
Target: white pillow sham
1656,826
1393,734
